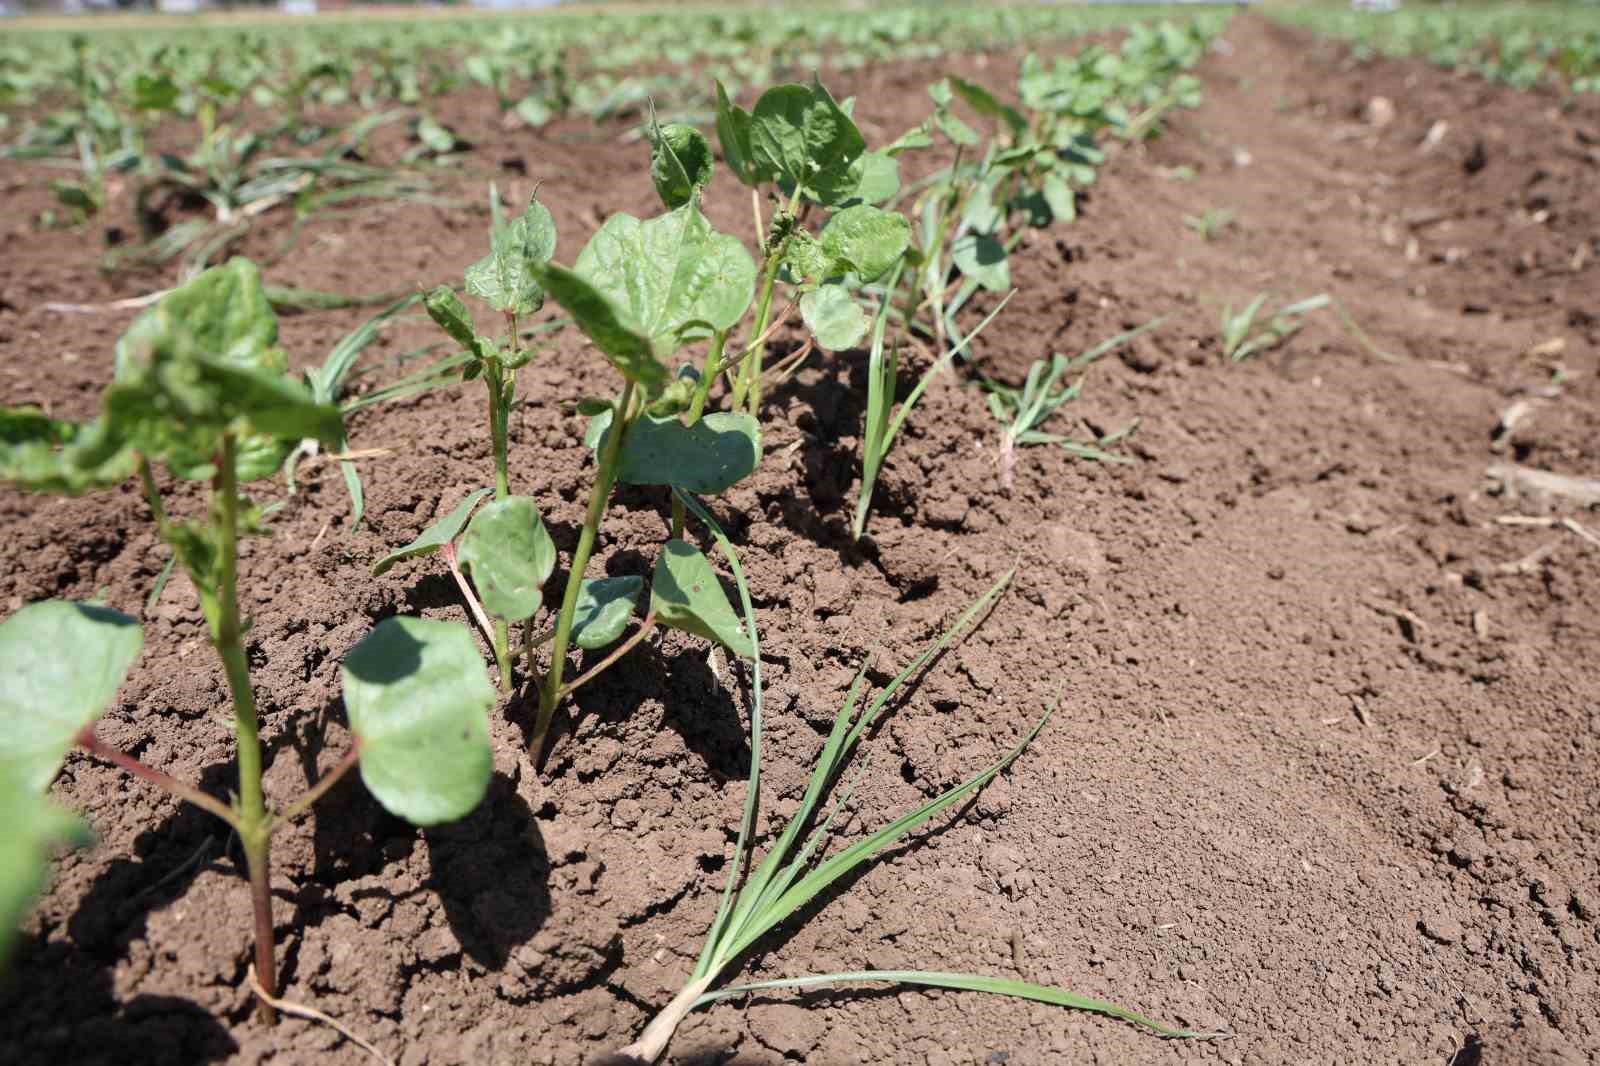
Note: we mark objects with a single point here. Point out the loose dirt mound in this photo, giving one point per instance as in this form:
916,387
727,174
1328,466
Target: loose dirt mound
1326,769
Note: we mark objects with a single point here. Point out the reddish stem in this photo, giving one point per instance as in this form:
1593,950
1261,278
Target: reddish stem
326,782
95,746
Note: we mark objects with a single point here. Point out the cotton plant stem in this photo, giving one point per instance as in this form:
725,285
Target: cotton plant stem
324,783
599,495
252,823
645,629
188,793
497,429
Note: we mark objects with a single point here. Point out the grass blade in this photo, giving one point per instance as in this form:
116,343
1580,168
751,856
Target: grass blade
965,982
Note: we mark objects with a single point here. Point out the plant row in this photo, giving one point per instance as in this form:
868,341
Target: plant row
685,316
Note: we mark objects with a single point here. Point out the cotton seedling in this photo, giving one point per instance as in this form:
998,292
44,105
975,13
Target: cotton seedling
201,388
1021,412
1238,341
797,868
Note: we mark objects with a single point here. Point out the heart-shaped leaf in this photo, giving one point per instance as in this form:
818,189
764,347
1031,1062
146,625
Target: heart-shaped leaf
834,317
35,828
685,594
800,133
680,161
509,557
669,272
435,536
61,664
865,239
604,606
223,313
507,278
418,697
718,451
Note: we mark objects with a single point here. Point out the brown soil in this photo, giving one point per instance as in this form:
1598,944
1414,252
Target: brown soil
1325,774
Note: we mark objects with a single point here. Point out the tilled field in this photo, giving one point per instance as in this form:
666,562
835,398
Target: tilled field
1326,769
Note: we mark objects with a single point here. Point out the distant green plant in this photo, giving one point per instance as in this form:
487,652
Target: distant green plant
1240,343
1021,412
1210,223
201,387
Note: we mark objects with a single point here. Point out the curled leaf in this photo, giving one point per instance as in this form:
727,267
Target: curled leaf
435,536
680,161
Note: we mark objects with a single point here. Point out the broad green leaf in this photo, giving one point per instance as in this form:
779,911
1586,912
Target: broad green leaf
509,556
435,536
204,362
154,92
434,135
680,161
915,137
800,133
61,664
533,111
865,239
40,454
955,129
35,827
449,312
667,275
1058,194
604,606
507,278
685,594
418,697
733,132
608,325
879,177
715,453
834,317
984,102
224,314
983,259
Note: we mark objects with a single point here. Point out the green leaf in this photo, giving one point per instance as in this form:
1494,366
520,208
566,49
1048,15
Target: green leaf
223,312
1058,194
879,177
804,257
866,239
40,454
509,557
418,698
660,279
685,594
435,536
984,102
507,278
715,453
834,317
35,827
61,664
434,135
204,362
607,325
733,133
154,92
983,259
533,111
680,161
966,982
913,138
800,133
604,606
449,312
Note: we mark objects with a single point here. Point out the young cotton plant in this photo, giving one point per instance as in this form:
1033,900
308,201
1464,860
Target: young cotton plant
504,547
797,869
201,388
